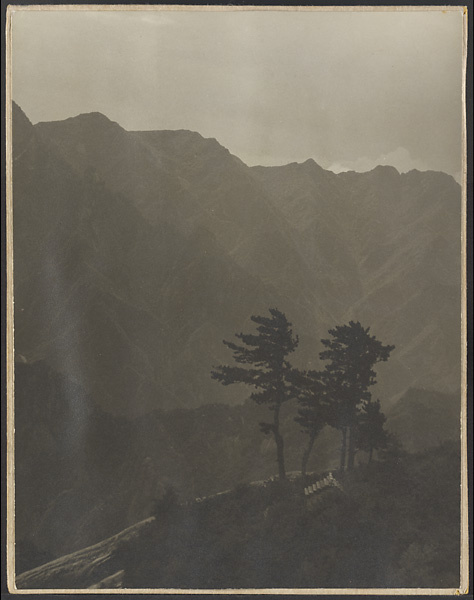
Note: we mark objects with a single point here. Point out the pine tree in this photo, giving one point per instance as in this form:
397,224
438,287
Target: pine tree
352,354
270,371
312,412
371,434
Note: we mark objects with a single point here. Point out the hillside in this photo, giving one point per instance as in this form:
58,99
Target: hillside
83,475
393,524
87,566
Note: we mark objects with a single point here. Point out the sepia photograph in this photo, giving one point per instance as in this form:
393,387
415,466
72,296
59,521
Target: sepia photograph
236,312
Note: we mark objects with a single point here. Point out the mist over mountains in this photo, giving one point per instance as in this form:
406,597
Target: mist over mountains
136,253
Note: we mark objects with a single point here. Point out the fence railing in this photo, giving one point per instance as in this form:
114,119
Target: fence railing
328,481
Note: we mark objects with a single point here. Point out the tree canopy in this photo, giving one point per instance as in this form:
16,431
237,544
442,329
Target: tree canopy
352,353
269,372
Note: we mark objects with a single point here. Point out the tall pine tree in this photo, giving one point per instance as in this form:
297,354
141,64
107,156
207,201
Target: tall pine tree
352,354
269,371
313,408
371,434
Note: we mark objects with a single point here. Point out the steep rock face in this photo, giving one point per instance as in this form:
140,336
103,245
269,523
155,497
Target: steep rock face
137,252
201,189
110,299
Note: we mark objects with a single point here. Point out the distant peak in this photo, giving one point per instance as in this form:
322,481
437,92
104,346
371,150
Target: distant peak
416,174
310,164
91,116
385,169
91,119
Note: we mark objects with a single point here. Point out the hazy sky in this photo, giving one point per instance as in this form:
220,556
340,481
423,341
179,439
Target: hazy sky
349,89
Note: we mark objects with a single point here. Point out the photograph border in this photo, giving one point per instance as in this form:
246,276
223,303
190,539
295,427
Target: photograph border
10,432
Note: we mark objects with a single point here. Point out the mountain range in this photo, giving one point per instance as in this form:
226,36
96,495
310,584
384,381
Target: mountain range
137,253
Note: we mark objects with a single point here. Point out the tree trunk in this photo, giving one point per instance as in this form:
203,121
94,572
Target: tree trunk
306,454
371,451
279,444
351,451
342,465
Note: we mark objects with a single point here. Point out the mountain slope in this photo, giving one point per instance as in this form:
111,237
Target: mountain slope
113,300
380,247
401,234
214,241
217,195
422,419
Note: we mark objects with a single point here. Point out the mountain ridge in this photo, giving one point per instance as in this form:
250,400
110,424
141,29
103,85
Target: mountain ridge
101,117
